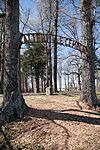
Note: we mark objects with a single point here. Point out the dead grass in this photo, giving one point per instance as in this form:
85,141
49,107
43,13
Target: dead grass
54,122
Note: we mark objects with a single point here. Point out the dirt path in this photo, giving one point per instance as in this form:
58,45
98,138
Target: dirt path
56,123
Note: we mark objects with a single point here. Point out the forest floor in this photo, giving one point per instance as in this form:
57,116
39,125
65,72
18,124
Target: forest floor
56,122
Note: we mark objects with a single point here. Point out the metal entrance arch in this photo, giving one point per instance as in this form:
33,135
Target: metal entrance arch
48,38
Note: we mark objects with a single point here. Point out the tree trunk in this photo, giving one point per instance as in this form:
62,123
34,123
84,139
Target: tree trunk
42,85
2,54
1,91
60,83
22,83
32,83
32,79
68,83
47,71
55,47
65,82
49,57
98,81
37,81
50,68
13,103
79,82
26,85
88,71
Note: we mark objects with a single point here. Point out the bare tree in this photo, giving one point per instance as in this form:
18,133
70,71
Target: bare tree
2,44
55,44
88,71
13,103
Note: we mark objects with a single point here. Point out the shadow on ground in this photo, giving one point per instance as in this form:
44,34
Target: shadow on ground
53,115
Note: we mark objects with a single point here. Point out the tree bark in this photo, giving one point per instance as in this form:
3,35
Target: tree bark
65,82
47,71
88,71
26,85
49,55
79,82
13,103
2,47
55,47
68,82
22,82
1,56
32,83
50,68
60,83
32,79
37,81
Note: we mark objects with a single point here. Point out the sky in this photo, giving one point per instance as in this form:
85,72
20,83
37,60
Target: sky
29,4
